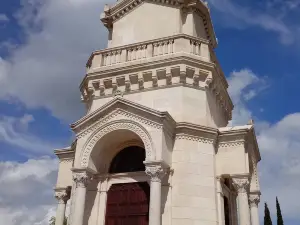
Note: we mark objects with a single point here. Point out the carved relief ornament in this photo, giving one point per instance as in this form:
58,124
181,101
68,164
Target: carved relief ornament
62,196
114,115
254,200
156,172
241,184
118,125
82,179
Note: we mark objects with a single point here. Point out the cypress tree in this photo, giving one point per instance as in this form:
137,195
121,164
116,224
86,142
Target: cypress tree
279,215
267,217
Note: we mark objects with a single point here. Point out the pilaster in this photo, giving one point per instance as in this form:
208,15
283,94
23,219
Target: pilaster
254,199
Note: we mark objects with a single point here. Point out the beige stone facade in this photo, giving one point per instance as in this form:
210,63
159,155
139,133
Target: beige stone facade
159,86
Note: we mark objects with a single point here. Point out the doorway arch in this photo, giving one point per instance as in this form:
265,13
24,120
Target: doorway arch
128,203
106,135
130,159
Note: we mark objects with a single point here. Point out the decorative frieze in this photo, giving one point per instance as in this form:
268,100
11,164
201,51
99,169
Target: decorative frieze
194,138
65,161
148,80
231,144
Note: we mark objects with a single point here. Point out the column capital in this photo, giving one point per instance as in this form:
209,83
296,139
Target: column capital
62,195
254,199
82,179
241,184
156,172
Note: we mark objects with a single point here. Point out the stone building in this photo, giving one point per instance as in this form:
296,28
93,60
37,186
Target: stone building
154,147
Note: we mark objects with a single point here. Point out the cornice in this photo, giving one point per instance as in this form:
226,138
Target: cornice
122,8
65,154
147,64
233,136
239,135
195,132
218,68
217,87
197,128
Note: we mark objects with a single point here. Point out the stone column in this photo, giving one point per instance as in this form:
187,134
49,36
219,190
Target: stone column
102,200
241,185
220,200
62,196
254,199
156,173
82,180
234,209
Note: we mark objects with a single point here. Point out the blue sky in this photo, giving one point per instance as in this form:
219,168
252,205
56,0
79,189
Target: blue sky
43,49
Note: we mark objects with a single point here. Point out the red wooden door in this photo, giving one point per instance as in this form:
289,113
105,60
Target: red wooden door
128,204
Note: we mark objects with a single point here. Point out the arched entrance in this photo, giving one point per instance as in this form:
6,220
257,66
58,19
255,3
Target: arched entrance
128,203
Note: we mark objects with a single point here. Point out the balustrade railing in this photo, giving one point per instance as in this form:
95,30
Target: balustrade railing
149,49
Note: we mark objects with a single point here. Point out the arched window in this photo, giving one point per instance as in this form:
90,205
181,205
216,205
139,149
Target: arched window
129,159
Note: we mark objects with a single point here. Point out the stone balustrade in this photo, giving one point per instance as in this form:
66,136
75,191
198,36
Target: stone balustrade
150,49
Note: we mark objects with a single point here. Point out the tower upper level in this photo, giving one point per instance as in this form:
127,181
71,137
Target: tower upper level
160,54
132,21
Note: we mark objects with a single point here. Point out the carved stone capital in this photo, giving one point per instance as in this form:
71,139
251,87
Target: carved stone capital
241,184
62,196
156,172
254,200
82,179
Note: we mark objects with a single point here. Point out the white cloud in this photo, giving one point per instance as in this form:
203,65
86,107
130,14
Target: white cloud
245,16
14,131
239,81
26,191
46,71
243,86
280,167
279,145
3,18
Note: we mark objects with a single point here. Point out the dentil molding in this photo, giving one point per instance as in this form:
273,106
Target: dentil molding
194,138
237,143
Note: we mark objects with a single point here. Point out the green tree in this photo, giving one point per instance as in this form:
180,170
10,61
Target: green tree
279,215
267,217
52,221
